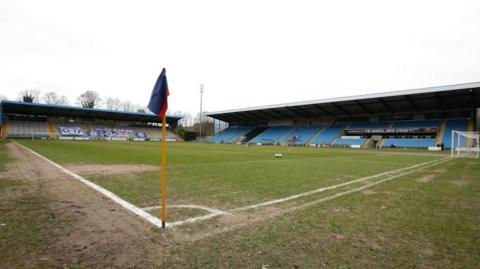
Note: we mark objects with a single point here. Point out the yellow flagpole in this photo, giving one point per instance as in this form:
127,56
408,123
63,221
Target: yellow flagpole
164,170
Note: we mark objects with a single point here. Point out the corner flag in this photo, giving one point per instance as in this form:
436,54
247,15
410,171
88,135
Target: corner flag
158,104
158,101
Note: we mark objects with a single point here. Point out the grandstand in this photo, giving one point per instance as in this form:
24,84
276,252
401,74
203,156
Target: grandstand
41,121
231,135
299,135
271,135
416,119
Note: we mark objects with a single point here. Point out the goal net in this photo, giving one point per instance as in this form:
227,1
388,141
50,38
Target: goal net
465,144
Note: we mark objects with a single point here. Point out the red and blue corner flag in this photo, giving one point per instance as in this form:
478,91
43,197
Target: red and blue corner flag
158,101
158,104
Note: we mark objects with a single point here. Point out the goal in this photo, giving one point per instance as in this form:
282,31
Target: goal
465,144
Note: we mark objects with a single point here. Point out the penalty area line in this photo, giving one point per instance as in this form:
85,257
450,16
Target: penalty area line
336,195
296,196
130,207
326,199
389,176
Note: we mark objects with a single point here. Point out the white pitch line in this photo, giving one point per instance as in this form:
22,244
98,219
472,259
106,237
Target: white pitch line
130,207
211,210
336,195
271,202
418,166
195,219
387,152
157,222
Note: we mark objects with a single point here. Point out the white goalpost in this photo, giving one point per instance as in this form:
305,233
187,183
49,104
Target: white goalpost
465,144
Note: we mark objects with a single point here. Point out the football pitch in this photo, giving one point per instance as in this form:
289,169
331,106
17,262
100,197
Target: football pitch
232,206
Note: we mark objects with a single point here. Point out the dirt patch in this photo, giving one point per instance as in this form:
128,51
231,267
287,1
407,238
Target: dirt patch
178,214
98,231
233,221
426,178
338,237
368,192
440,170
105,170
11,171
428,252
460,182
341,210
235,218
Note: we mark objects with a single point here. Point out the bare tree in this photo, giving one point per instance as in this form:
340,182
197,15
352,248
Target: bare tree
89,99
52,98
128,106
206,118
113,103
63,100
187,119
29,96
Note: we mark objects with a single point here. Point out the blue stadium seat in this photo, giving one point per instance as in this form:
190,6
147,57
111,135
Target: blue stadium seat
327,135
271,135
299,135
408,142
454,124
230,135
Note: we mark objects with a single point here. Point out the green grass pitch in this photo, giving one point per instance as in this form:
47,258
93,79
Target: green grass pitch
223,176
427,218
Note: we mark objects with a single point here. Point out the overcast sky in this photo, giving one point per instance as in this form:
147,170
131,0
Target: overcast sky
247,53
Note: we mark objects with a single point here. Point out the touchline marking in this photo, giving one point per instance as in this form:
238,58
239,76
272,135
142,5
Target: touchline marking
325,199
271,202
336,195
418,166
158,223
130,207
212,210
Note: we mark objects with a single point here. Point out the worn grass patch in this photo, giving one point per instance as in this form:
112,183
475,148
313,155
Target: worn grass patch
221,176
427,219
26,221
178,214
406,224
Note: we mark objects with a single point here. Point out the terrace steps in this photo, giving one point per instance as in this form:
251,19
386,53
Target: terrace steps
470,128
179,138
271,135
368,143
89,126
340,134
299,135
52,130
316,135
380,143
5,130
286,135
440,132
252,134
